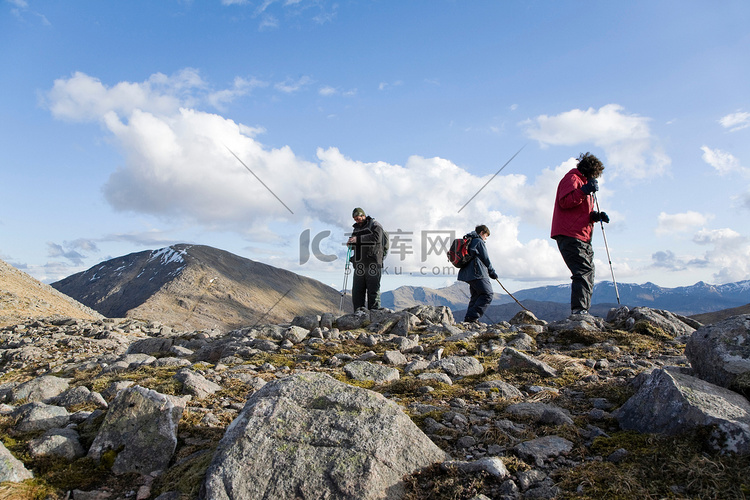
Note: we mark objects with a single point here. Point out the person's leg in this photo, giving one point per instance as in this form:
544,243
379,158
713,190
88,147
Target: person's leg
373,286
579,257
359,286
484,296
481,296
471,316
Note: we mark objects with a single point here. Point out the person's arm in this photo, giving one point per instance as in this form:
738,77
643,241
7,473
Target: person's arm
484,258
569,193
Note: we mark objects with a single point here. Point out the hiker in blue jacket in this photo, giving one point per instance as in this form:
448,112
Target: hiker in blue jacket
477,273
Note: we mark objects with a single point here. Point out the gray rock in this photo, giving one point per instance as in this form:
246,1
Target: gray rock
12,469
115,387
511,359
503,389
296,334
405,344
310,436
79,395
57,442
151,345
405,324
522,342
544,413
353,321
195,384
39,417
439,377
39,389
584,322
141,426
327,320
526,318
394,358
265,345
458,366
362,370
669,402
439,315
494,466
308,322
529,478
273,332
180,351
672,324
538,450
720,353
416,365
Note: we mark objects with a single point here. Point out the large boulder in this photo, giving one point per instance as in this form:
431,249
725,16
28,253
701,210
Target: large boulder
459,366
670,323
40,389
311,436
669,402
140,428
514,360
362,370
720,353
439,315
12,469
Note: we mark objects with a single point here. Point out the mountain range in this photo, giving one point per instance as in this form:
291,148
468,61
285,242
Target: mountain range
551,303
198,287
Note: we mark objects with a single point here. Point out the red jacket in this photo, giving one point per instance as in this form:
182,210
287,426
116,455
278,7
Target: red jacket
572,214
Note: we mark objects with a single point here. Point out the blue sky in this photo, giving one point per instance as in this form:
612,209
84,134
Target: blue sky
120,122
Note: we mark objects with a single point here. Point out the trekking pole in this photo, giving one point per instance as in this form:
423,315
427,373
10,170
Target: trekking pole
511,295
606,247
346,276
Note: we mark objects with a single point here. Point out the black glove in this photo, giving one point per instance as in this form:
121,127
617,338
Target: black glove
493,275
591,186
599,216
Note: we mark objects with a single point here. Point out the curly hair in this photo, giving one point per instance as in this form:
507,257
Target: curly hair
590,165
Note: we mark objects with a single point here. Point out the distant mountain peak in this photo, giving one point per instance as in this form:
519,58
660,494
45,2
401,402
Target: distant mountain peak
198,287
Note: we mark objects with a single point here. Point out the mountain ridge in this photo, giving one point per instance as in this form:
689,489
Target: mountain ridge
197,287
700,298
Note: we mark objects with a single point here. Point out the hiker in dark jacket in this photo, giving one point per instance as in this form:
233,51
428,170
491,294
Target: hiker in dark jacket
478,273
367,244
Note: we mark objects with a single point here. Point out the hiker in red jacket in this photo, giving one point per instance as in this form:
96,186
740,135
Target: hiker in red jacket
572,226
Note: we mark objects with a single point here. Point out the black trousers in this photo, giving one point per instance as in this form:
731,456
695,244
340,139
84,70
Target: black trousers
481,296
579,257
366,284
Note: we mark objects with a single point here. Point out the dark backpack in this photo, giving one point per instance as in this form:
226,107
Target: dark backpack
458,253
386,242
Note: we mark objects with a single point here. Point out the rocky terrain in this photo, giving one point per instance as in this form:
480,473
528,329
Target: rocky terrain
378,404
372,404
193,287
23,297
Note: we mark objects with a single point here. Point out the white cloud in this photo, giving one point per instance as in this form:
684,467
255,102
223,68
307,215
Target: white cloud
240,87
675,223
735,121
730,253
668,260
630,149
290,86
177,166
328,91
723,162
